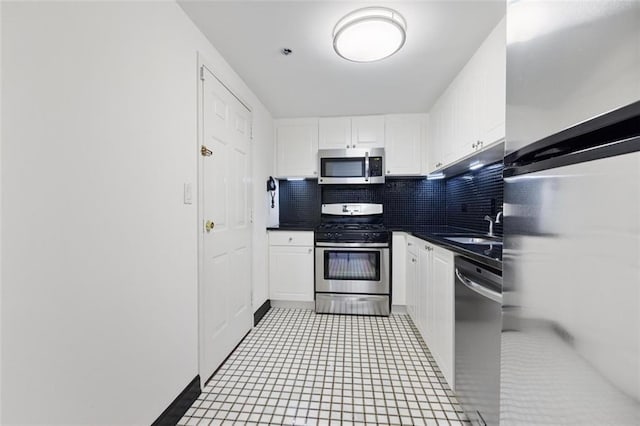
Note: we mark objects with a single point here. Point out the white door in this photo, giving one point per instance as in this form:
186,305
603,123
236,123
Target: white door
225,277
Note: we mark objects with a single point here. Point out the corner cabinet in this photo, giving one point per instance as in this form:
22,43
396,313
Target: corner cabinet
296,147
430,299
470,115
405,136
291,259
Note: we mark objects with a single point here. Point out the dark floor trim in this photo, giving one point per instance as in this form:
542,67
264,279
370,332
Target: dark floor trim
180,405
261,312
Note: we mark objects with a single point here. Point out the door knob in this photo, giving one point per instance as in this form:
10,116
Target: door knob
209,225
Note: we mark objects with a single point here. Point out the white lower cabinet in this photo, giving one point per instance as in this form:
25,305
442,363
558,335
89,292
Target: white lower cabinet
442,305
398,269
291,266
430,299
411,277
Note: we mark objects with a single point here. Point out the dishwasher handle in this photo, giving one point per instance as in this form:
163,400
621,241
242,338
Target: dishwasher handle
478,288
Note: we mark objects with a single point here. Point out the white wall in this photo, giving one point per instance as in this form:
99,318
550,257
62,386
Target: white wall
262,215
99,285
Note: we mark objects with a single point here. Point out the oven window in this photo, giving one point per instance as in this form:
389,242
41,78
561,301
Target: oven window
342,167
352,265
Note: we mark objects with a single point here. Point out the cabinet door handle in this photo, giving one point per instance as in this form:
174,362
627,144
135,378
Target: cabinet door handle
290,239
353,146
409,244
347,145
310,250
315,172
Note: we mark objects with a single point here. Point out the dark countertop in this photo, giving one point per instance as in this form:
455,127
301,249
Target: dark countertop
485,254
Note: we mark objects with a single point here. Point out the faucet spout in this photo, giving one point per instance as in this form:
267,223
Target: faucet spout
488,218
499,216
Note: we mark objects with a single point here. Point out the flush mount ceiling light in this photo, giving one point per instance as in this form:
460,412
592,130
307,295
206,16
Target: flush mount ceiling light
369,34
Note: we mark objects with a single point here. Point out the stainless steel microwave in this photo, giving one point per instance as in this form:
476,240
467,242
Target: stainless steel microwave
348,166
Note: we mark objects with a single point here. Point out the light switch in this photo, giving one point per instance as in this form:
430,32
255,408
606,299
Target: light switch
188,194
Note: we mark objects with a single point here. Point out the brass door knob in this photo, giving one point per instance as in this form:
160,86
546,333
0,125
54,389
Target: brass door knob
209,225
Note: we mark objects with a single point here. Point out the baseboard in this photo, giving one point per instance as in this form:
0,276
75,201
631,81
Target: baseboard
398,309
261,312
180,405
291,304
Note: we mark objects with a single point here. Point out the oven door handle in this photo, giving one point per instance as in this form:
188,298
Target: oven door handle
353,245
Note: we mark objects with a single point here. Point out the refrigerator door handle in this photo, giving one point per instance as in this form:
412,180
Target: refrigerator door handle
478,288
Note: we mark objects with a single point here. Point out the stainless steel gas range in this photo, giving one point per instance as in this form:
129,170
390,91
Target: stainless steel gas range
352,268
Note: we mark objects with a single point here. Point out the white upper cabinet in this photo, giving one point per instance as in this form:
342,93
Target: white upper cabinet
335,133
493,97
352,132
470,115
297,147
367,132
404,141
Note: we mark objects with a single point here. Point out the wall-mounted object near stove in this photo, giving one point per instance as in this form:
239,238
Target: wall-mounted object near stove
352,261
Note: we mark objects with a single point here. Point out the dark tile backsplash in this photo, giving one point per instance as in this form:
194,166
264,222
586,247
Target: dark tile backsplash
461,201
299,202
414,203
472,196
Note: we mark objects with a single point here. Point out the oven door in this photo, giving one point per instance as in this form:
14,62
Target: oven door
343,268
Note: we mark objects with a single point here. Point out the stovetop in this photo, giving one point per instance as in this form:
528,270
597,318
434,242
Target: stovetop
352,223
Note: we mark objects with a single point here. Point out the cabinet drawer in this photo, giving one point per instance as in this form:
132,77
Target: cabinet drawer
291,238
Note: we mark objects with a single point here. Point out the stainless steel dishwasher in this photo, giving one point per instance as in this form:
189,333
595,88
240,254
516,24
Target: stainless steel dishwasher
478,295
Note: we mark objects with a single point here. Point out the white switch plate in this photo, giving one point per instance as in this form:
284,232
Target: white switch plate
188,194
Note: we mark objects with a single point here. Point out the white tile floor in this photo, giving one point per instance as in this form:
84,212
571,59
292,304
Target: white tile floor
300,368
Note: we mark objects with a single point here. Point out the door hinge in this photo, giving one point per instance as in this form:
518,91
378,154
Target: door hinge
205,152
202,73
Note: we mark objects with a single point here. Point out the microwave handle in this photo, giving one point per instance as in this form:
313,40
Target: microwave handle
366,166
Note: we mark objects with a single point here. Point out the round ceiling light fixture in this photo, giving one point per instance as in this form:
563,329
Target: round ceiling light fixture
369,34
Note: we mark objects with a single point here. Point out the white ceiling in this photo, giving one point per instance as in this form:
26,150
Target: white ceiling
314,80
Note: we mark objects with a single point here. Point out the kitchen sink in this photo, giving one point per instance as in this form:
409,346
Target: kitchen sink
474,240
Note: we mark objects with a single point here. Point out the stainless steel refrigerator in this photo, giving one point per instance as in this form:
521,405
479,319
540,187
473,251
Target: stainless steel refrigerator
570,342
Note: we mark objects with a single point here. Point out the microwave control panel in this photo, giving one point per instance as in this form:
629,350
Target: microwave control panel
376,167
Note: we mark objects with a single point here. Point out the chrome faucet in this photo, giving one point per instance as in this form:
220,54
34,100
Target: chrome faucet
490,225
492,222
